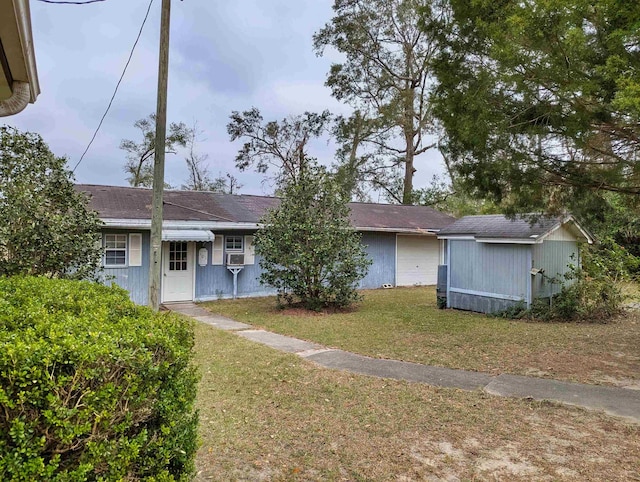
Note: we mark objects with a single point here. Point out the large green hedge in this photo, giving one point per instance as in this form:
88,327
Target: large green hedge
92,387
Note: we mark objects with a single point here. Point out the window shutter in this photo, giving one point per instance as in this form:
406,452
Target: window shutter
249,251
217,257
135,249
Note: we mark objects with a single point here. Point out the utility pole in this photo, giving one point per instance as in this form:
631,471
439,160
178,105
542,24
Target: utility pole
155,271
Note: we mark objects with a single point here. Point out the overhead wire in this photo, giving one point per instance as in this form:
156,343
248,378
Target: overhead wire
63,2
124,71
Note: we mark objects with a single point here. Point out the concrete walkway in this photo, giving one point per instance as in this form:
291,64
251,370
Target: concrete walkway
619,402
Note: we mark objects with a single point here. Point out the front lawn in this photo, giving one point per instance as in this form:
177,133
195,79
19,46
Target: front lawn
405,324
265,415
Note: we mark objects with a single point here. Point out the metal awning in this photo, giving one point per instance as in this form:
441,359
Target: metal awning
187,235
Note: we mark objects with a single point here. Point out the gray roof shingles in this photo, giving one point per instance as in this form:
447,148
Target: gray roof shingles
117,202
499,226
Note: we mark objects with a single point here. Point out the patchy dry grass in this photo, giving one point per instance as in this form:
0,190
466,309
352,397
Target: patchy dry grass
405,324
272,416
631,291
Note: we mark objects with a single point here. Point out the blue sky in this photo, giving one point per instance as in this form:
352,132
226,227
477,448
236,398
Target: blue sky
225,56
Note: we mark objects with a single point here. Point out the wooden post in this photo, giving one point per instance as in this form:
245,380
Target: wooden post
155,271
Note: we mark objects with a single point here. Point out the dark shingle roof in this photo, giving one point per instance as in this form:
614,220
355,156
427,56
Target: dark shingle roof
499,226
117,202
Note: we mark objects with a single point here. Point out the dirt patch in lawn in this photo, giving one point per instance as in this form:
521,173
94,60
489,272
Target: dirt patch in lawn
272,416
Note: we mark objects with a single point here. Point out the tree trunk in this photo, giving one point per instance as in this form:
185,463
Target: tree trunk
409,132
407,191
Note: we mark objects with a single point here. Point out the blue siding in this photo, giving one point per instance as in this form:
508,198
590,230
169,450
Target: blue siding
554,257
480,304
381,249
500,269
216,282
134,279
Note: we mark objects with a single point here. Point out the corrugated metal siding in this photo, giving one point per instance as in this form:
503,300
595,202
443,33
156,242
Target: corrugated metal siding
480,304
381,249
561,234
490,268
134,279
554,257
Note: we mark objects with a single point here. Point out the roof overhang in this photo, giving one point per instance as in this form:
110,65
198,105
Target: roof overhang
580,233
124,223
199,235
180,225
426,232
477,239
18,74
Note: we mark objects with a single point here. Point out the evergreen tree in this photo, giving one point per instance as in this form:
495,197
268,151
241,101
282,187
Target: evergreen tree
46,227
309,251
539,100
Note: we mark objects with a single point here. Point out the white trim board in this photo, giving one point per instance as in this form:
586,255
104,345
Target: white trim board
206,225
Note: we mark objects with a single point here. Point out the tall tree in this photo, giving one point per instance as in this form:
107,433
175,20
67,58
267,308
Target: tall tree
361,165
227,184
386,73
46,227
280,145
199,176
140,155
540,100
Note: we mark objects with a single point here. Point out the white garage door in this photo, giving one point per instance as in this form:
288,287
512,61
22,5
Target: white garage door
418,258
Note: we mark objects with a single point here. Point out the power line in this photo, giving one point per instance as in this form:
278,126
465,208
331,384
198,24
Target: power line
144,21
70,3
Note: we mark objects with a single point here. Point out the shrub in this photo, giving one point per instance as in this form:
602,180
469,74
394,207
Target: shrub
610,258
92,387
309,251
586,298
513,312
46,226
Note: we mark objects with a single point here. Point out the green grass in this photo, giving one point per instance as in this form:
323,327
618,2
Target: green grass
405,324
266,415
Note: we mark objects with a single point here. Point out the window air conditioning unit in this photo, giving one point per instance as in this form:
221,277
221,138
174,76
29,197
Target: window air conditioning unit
234,259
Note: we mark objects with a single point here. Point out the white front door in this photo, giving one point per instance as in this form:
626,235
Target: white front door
177,271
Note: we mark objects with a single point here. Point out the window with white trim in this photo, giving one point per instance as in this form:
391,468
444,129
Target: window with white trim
115,250
234,244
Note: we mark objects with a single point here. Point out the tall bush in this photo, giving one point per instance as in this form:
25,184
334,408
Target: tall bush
608,258
92,387
309,251
46,226
583,297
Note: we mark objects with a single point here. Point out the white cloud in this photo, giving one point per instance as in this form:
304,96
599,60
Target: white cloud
225,56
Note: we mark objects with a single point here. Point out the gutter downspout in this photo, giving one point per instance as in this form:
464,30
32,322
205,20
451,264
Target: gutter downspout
18,101
24,90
